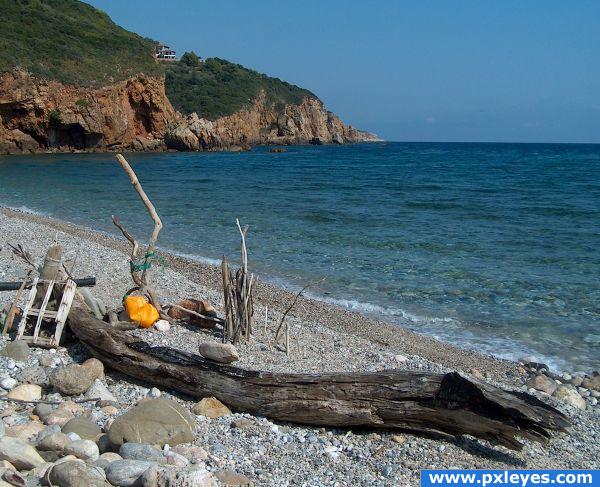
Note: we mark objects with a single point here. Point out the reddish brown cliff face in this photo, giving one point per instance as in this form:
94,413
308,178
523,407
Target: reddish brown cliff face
38,115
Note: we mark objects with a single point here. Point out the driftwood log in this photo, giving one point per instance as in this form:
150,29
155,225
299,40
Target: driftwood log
425,403
16,285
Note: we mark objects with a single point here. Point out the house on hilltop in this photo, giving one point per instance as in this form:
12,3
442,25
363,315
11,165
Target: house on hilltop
164,53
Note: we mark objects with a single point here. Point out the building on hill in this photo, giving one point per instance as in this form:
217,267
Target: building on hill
165,53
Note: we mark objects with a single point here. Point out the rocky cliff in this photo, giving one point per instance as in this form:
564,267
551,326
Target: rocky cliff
135,114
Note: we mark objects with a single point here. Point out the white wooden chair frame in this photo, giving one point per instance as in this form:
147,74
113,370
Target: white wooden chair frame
59,317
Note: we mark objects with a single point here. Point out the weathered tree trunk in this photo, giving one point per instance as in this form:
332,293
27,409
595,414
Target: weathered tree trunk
428,403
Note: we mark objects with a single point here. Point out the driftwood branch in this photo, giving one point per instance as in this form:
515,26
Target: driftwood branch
140,276
22,254
421,402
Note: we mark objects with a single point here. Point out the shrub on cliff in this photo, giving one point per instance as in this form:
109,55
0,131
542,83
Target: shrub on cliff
218,87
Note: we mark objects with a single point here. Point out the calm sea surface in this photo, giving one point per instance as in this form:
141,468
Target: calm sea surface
490,246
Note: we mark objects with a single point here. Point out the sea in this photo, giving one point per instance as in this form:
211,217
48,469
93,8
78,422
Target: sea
493,247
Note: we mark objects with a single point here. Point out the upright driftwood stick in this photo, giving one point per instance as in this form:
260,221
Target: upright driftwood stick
141,279
13,308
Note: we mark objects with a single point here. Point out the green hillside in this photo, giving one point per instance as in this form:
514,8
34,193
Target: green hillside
217,87
72,42
75,43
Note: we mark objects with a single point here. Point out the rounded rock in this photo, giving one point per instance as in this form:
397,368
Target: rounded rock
86,450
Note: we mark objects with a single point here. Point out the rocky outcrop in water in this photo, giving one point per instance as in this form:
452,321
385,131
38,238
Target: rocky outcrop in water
39,116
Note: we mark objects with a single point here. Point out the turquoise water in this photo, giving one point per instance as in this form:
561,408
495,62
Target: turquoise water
491,246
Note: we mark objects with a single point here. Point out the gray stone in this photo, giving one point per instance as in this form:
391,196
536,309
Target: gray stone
106,459
75,473
20,453
73,380
224,353
47,360
140,451
42,410
84,428
2,428
99,391
17,350
154,421
54,442
87,450
8,383
124,473
542,383
592,383
49,430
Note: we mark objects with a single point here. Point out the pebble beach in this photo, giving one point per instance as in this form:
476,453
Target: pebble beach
233,448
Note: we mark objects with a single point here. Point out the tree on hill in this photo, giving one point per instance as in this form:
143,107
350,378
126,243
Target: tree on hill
190,59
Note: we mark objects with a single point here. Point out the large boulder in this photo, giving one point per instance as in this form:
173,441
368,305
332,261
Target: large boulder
154,421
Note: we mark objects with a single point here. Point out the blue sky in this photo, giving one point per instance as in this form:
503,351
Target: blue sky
423,70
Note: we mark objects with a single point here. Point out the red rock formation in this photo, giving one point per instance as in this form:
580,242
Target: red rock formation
39,115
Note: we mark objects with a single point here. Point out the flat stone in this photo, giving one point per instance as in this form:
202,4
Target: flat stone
175,459
211,407
18,452
86,450
154,421
84,428
542,383
124,473
224,353
17,350
33,375
140,451
73,380
26,392
229,477
99,391
76,474
167,476
54,442
241,423
162,326
570,396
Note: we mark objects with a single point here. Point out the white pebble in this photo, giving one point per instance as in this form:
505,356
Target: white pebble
8,383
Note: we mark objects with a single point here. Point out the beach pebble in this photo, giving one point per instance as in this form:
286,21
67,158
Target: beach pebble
26,392
162,326
59,417
154,392
73,380
570,396
18,452
86,450
95,368
211,407
140,451
8,383
98,390
106,458
83,428
194,475
154,421
230,477
542,383
224,353
124,473
400,358
75,473
54,442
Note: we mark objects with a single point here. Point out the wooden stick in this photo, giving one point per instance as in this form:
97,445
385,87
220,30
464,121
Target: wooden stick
41,401
194,313
287,311
150,207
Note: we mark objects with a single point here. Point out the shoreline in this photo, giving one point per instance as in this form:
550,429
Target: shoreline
324,339
307,308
